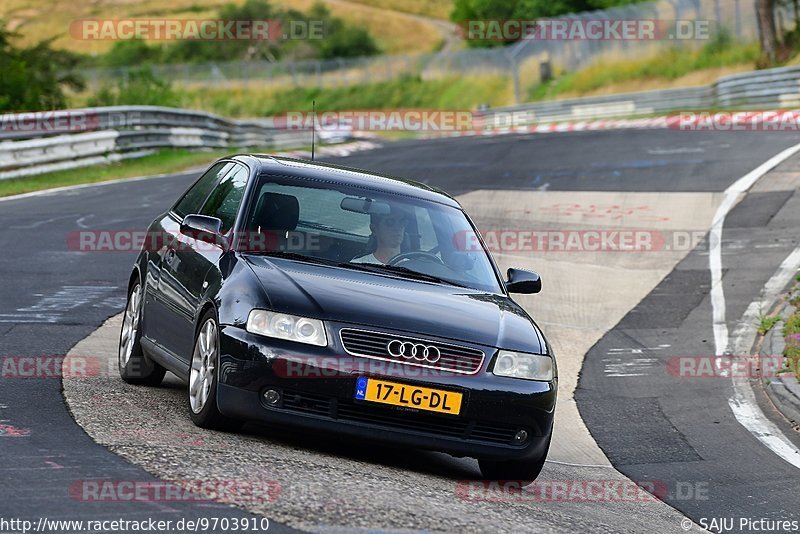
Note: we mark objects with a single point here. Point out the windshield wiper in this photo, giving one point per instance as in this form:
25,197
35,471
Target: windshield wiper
403,271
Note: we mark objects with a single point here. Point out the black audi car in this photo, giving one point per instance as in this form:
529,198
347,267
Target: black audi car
289,292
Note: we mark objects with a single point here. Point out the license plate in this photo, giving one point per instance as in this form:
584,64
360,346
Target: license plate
432,400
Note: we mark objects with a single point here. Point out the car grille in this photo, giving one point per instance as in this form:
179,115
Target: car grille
375,345
444,426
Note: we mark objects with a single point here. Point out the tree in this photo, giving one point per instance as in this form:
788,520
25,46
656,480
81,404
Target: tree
34,78
766,28
141,87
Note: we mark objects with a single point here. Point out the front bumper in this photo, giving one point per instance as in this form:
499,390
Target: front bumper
318,394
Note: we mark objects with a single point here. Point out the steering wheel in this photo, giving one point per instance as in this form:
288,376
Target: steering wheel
427,256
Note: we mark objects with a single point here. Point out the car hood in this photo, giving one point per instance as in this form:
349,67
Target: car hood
387,302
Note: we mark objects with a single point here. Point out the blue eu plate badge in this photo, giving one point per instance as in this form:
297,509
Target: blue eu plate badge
361,388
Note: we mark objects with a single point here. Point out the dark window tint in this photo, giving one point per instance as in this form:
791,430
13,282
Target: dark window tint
226,197
193,199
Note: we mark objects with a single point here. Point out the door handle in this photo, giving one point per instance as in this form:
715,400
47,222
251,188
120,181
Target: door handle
170,256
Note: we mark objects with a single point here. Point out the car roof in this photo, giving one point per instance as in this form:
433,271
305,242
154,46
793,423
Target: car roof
345,176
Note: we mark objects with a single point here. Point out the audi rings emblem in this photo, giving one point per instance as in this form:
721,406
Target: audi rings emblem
413,351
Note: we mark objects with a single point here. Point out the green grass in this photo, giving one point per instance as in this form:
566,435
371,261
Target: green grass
454,93
792,325
165,161
669,65
791,332
457,93
766,322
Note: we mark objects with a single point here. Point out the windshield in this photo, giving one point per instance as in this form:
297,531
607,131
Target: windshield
368,231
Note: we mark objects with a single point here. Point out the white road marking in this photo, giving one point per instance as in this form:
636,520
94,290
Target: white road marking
579,465
51,308
36,224
639,350
28,318
743,403
54,190
619,367
715,239
82,221
681,150
635,367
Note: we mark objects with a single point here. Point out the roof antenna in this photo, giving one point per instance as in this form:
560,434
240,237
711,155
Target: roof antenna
313,126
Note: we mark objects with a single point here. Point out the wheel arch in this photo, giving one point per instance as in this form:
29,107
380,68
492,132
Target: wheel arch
201,312
136,276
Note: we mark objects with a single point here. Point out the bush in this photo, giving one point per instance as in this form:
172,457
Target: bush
339,40
139,87
34,78
464,10
131,52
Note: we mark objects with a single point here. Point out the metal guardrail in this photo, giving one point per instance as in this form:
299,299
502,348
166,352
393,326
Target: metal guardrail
618,105
774,87
762,89
33,143
96,135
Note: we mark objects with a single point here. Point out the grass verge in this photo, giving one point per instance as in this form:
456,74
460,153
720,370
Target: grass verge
766,322
791,333
164,161
410,92
664,67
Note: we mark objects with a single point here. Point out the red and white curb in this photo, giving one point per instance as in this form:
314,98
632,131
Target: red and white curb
564,126
721,121
331,150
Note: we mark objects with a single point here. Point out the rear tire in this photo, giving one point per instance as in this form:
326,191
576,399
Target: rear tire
524,471
203,372
134,365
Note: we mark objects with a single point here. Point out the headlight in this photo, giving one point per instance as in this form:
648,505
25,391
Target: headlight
522,365
285,326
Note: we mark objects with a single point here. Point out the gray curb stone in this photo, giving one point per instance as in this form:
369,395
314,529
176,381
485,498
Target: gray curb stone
783,390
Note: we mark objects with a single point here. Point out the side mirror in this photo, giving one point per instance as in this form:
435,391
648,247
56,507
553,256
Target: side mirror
203,228
520,281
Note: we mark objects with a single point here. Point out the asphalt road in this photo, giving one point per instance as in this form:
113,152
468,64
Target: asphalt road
624,160
660,412
52,297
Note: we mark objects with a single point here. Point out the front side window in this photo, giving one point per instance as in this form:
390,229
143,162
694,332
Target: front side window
193,199
362,229
224,201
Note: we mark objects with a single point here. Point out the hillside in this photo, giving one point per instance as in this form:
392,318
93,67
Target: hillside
399,26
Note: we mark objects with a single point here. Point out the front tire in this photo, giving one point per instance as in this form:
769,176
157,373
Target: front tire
134,365
203,375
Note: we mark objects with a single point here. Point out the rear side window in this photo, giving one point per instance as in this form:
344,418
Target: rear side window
193,199
227,196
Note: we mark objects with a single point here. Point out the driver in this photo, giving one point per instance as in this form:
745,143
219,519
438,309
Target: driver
388,232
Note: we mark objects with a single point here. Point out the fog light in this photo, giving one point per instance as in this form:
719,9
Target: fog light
521,436
272,397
